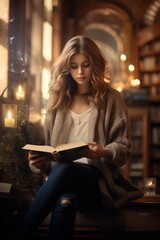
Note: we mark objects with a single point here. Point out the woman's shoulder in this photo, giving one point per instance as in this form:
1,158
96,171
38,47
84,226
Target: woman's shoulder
113,94
114,100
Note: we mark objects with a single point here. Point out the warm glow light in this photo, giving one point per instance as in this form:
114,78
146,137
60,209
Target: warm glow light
55,3
131,67
107,80
150,183
9,115
47,41
3,69
48,5
20,93
43,114
4,19
119,86
9,120
123,57
150,186
135,82
46,76
119,89
34,117
4,10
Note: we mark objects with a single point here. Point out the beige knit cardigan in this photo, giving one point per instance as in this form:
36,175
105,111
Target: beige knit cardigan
109,127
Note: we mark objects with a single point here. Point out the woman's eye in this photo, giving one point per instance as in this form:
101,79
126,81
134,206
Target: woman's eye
73,66
86,65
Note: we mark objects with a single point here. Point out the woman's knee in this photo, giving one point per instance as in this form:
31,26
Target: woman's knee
69,200
65,202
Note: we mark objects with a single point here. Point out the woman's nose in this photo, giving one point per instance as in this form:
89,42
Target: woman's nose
80,70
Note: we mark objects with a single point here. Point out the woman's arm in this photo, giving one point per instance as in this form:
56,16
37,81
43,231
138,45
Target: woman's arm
95,151
118,140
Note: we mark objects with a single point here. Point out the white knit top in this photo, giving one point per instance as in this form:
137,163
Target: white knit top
79,129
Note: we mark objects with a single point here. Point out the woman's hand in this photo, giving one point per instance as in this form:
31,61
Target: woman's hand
95,151
37,159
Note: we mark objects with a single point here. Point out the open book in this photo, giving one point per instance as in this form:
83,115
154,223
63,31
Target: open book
63,152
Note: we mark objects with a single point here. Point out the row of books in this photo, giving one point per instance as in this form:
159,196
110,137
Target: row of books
154,46
156,169
136,167
148,63
149,79
155,114
136,127
155,153
140,96
137,146
156,135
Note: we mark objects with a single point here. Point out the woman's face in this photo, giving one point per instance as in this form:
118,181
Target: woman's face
80,69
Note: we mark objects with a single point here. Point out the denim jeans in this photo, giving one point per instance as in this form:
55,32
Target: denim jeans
76,182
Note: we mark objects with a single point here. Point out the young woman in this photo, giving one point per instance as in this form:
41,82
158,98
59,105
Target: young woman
82,107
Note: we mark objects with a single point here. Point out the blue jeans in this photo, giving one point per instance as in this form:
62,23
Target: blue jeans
75,182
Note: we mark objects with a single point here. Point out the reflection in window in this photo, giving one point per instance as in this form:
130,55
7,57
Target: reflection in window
47,41
4,19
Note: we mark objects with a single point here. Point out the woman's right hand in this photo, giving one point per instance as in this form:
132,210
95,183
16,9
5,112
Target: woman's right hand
37,159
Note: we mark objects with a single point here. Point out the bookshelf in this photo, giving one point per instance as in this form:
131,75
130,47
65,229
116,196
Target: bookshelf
155,139
149,73
137,168
149,61
149,65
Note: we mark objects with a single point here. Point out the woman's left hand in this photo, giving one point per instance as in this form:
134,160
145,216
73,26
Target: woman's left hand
95,151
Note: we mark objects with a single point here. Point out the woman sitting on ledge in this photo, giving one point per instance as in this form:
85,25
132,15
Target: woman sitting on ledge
82,107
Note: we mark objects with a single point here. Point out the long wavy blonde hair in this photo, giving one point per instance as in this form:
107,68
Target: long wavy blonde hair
62,87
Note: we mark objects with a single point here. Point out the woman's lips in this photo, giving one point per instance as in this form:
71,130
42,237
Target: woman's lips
80,78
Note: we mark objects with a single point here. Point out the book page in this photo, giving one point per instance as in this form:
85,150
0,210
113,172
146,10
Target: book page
39,148
68,146
49,149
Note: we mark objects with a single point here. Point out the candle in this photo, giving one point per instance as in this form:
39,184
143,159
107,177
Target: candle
9,121
150,186
20,93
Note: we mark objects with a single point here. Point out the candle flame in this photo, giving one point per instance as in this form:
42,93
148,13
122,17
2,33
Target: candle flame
9,114
20,90
20,94
150,183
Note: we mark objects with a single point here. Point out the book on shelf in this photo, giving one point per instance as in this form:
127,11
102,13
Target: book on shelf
135,173
62,152
137,166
